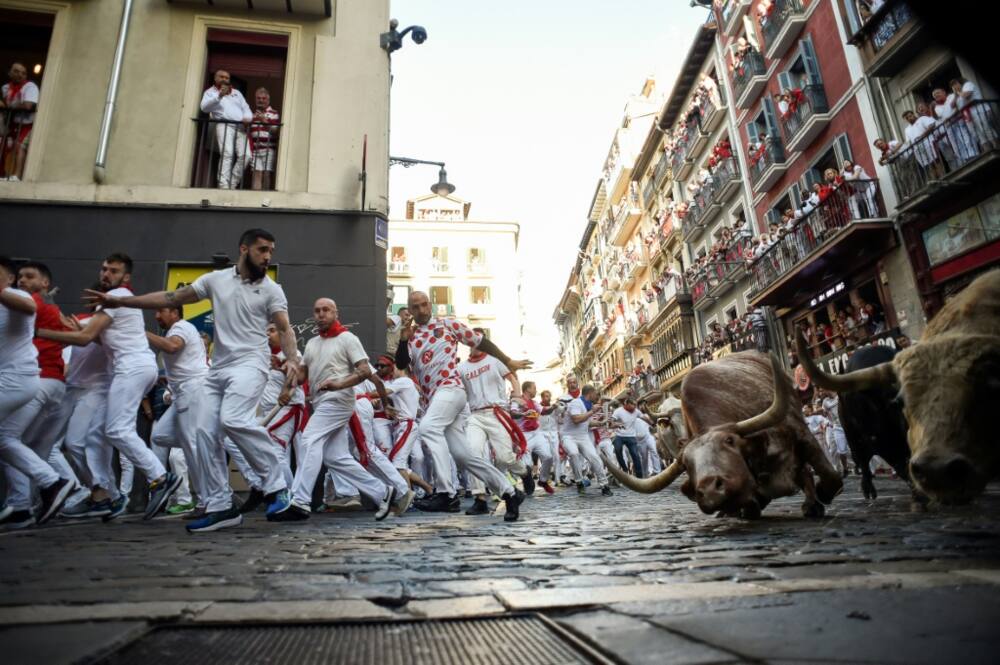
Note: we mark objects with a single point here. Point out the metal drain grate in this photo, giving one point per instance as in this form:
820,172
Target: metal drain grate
487,641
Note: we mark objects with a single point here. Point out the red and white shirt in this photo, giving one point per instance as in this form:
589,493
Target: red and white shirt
262,136
433,349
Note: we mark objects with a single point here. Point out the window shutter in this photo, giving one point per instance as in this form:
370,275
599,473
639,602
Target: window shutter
795,195
752,131
770,118
810,62
842,150
811,176
785,81
772,216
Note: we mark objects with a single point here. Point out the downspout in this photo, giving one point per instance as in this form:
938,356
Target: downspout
109,104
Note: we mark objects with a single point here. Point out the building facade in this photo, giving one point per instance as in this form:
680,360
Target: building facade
469,268
172,185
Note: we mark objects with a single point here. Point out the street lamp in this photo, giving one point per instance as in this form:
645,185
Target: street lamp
442,187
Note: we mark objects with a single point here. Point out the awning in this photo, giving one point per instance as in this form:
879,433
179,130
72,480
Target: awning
302,7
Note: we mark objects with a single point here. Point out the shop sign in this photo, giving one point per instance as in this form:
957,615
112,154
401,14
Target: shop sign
836,362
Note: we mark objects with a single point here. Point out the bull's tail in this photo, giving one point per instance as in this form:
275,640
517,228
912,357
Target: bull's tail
646,485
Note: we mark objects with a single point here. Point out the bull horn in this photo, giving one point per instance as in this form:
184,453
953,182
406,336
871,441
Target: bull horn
861,379
775,413
646,485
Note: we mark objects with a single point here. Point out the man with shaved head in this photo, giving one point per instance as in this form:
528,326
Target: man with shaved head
430,349
334,362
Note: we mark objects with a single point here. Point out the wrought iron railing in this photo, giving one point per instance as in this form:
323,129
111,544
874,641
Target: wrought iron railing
780,11
235,155
749,66
720,270
770,152
805,103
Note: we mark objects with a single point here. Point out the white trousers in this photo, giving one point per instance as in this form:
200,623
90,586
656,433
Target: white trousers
24,425
539,445
651,456
378,463
229,408
581,448
325,440
836,440
128,388
16,391
382,428
176,430
484,432
405,441
231,140
442,429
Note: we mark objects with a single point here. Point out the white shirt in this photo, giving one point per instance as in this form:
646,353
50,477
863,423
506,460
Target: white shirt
405,397
641,429
832,406
946,110
627,420
364,406
485,382
88,365
392,332
918,129
228,107
272,389
576,408
124,340
550,422
188,363
18,354
241,311
816,424
28,93
333,358
969,86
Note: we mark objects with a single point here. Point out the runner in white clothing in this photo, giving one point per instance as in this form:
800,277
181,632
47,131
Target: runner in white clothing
431,349
490,426
537,444
366,395
548,425
578,439
243,299
18,385
133,372
647,443
405,398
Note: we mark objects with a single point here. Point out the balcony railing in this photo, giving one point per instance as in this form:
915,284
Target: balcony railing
770,152
883,25
683,144
723,270
745,337
440,267
398,267
855,200
15,141
478,267
235,155
955,143
780,13
805,103
750,66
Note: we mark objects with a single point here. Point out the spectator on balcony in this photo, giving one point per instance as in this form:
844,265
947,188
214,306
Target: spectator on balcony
947,112
919,126
263,140
861,189
764,10
781,101
887,150
19,99
230,114
979,117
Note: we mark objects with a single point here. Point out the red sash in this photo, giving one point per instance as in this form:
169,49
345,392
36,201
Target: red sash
402,440
516,435
296,411
358,432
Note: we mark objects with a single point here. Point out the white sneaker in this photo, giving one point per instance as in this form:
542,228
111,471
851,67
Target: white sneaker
344,502
13,178
386,504
402,504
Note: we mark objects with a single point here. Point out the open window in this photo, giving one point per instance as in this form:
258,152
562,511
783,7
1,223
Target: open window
439,259
397,260
480,295
24,44
477,259
441,300
832,158
231,152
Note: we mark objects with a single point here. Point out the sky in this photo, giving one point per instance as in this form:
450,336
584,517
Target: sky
521,99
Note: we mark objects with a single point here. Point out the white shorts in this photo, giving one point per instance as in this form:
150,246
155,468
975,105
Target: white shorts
264,159
835,438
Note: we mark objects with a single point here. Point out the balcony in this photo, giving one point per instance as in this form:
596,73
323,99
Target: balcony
888,39
649,192
717,277
745,338
231,155
713,112
749,79
732,15
478,268
440,268
399,268
961,153
443,309
666,231
847,230
767,164
780,29
692,226
625,219
674,290
710,199
684,147
636,261
808,115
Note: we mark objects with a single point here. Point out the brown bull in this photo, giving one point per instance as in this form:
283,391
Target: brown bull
950,385
746,448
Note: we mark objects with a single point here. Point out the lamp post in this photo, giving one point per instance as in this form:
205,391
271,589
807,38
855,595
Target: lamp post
442,187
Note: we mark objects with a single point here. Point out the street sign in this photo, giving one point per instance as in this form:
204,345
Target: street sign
381,232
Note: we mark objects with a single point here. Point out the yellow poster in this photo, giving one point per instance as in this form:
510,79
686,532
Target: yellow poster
200,313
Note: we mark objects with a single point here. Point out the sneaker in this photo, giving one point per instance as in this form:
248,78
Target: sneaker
76,498
13,178
606,491
439,502
86,508
6,510
547,487
115,508
159,491
581,488
529,483
344,503
294,513
253,502
468,494
180,508
479,507
18,519
420,493
454,505
53,498
386,504
586,482
402,504
513,502
277,502
220,519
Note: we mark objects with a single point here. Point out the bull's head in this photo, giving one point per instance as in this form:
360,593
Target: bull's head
950,386
715,460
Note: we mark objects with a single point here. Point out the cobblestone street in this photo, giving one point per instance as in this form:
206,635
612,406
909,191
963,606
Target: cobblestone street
645,579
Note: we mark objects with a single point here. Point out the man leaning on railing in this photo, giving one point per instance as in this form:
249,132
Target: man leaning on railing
19,101
230,114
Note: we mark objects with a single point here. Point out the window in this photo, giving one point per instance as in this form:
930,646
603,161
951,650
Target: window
229,155
832,158
480,295
939,79
477,259
439,259
397,260
24,39
804,70
440,295
400,297
731,313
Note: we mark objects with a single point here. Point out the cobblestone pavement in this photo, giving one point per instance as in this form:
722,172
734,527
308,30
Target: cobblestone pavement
645,578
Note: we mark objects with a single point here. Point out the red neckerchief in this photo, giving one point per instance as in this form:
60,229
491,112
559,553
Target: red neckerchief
13,90
275,350
335,329
574,393
476,356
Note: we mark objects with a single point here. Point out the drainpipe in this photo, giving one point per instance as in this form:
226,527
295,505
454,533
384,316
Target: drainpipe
109,104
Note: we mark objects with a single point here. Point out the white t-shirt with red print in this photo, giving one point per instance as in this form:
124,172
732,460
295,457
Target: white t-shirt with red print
485,382
433,349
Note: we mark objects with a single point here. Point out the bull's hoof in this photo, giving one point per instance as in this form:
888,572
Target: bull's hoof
868,487
814,510
828,488
751,511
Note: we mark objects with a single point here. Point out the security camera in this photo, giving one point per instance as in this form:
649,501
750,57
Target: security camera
419,34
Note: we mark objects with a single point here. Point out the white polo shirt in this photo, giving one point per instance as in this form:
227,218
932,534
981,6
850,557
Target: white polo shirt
569,428
241,311
627,420
125,340
188,363
18,354
405,397
485,382
333,358
87,366
228,107
641,429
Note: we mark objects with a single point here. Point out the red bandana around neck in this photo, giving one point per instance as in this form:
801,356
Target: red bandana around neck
275,350
335,329
574,393
476,356
14,90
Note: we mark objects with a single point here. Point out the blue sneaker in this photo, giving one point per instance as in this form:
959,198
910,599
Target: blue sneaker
116,508
159,492
586,482
220,519
279,503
